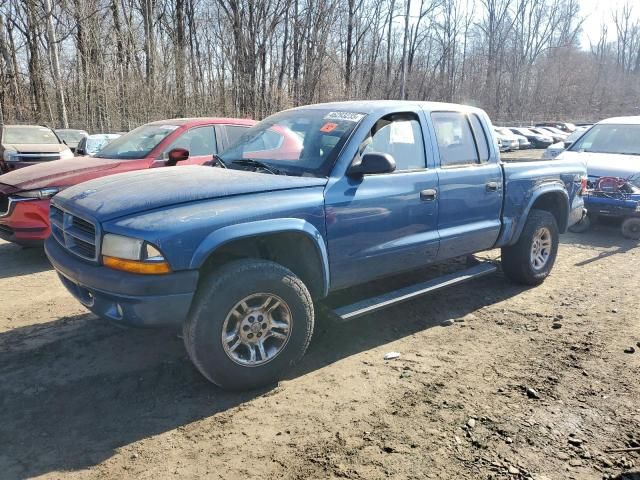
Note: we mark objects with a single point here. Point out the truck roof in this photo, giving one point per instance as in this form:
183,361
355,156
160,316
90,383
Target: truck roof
384,106
622,120
204,121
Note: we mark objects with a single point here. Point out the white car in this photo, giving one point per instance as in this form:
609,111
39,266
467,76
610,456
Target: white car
556,149
508,140
92,144
611,148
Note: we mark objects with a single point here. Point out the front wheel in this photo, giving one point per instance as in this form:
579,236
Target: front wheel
531,259
251,321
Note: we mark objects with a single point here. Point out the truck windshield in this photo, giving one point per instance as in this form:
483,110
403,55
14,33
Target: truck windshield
29,136
296,142
137,143
610,138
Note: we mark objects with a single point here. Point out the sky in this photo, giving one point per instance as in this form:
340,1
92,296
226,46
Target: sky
597,11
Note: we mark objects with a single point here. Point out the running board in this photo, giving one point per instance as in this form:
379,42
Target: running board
355,310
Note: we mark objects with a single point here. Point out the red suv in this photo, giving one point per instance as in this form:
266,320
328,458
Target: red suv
25,193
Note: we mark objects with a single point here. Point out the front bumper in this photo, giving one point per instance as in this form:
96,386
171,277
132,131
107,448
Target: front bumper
26,222
125,298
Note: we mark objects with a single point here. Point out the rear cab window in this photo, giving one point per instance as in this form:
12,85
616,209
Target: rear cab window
457,144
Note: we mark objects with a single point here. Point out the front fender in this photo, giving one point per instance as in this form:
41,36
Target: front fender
514,224
230,233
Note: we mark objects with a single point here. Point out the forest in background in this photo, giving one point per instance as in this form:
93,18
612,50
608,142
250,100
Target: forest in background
111,65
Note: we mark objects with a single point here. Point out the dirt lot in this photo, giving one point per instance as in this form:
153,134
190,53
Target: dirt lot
81,398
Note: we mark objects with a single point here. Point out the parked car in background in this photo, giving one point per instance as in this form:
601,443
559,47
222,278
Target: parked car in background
239,256
556,135
92,144
552,151
25,145
536,139
611,148
71,137
557,131
564,126
25,193
508,140
547,135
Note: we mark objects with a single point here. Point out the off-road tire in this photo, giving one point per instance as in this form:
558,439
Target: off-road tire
631,228
517,264
217,294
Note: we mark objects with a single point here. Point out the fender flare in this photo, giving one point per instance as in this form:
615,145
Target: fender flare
230,233
518,224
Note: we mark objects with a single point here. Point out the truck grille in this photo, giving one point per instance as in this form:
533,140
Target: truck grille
74,233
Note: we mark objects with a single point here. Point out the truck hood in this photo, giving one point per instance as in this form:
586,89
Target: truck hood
58,173
129,193
606,164
36,148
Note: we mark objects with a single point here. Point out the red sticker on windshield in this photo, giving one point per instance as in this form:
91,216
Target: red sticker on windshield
328,127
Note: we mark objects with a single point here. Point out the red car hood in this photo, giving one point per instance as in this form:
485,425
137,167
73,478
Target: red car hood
63,173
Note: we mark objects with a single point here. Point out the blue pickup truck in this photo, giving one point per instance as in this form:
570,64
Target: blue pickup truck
309,201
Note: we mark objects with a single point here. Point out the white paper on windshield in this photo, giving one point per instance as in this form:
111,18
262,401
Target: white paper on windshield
168,127
347,116
401,132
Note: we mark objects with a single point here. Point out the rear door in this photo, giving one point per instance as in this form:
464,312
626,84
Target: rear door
385,223
470,184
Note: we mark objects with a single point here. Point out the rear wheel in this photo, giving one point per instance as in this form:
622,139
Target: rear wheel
531,259
251,321
631,228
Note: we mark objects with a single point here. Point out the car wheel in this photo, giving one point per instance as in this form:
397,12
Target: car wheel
631,228
582,226
531,259
251,321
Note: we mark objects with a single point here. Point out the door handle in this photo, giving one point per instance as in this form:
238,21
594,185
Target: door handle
492,186
429,194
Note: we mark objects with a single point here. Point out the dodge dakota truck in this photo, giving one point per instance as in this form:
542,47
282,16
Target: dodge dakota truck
239,253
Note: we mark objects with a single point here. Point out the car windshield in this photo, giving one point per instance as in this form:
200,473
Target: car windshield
295,142
137,143
610,138
526,132
71,136
96,143
29,136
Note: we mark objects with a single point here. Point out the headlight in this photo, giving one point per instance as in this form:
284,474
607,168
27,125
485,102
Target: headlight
10,155
66,154
41,194
132,255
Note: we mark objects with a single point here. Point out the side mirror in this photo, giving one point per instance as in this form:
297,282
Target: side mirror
177,155
567,144
372,163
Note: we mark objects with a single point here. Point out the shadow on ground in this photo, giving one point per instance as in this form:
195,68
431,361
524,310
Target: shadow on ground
76,389
16,260
604,236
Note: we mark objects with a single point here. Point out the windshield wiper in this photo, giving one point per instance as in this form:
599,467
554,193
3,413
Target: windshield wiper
255,163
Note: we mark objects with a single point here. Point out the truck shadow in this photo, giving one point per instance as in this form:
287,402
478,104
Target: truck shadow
16,260
76,389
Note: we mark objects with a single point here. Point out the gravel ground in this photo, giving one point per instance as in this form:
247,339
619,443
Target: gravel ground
525,383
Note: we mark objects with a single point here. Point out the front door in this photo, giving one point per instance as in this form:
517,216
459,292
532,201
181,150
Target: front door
387,223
